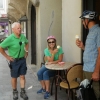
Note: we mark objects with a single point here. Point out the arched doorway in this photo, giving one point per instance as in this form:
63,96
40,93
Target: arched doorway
33,35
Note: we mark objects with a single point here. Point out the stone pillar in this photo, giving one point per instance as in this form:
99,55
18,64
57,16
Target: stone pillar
71,25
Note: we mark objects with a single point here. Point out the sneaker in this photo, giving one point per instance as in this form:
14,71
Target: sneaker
23,95
46,95
41,91
15,95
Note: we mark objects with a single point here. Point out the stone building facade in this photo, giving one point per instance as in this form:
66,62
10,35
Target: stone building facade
42,18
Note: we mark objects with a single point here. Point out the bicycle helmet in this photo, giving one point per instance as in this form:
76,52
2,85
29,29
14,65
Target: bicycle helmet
88,14
51,37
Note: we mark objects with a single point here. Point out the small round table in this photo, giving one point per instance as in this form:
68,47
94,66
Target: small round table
58,67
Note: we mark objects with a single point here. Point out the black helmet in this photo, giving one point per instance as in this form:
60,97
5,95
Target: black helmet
88,14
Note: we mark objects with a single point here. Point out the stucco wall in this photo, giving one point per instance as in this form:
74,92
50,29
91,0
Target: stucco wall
49,20
71,25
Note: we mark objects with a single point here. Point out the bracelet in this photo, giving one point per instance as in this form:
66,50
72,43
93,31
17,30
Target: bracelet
25,49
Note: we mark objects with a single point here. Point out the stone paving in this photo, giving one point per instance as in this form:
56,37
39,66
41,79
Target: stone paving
32,84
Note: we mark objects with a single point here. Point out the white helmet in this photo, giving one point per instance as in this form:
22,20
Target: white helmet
88,14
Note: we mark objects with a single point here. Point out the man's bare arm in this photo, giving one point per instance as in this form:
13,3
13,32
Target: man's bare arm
2,51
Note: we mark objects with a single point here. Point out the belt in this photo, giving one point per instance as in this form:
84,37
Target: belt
19,58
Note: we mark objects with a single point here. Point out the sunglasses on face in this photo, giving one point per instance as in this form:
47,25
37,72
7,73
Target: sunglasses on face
51,42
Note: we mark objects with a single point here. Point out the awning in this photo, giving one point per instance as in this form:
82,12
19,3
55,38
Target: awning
11,17
14,13
19,5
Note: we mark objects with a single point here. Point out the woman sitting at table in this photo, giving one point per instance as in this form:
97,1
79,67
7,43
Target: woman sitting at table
53,55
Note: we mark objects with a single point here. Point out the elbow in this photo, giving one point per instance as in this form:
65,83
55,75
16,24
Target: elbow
1,49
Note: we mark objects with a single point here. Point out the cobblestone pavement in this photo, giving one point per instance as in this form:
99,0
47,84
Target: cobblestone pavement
32,84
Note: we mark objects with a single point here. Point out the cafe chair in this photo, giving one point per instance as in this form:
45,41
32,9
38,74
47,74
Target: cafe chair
73,76
44,59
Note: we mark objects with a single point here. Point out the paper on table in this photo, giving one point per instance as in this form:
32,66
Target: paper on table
61,63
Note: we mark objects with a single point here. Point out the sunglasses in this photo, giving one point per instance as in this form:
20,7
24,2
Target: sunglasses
51,42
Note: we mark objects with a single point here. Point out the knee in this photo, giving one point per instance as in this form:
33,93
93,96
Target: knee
45,76
39,73
22,77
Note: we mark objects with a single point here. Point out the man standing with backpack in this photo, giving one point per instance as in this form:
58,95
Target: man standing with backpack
91,56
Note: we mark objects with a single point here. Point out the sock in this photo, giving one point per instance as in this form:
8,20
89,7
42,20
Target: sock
14,89
22,89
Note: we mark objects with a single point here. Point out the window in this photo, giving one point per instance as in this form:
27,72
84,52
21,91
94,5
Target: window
2,4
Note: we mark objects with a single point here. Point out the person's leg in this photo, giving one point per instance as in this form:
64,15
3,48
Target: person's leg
14,83
40,75
14,75
46,76
22,81
47,84
14,86
42,84
95,84
21,72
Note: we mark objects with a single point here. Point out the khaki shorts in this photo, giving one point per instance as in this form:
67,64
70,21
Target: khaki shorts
95,84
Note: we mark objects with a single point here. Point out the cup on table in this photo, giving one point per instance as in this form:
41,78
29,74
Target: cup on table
61,63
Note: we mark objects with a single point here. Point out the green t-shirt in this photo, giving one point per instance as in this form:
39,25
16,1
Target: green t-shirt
56,56
13,46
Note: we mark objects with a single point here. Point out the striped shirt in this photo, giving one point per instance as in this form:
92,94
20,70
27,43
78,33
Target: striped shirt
91,48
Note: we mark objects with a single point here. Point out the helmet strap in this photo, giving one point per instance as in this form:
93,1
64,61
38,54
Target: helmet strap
86,24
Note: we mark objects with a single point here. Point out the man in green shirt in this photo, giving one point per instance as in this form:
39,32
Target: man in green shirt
17,46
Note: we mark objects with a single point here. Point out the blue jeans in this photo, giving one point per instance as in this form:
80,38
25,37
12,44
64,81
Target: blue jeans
44,73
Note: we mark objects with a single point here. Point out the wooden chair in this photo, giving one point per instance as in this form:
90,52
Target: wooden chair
74,73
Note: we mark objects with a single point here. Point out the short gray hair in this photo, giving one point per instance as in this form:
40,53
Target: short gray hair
14,24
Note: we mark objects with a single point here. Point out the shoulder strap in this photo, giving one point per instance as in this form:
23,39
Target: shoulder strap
20,43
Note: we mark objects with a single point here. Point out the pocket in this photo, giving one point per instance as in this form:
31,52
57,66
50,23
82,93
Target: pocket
10,66
26,68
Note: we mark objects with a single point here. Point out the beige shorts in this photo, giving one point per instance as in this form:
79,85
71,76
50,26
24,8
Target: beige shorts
95,84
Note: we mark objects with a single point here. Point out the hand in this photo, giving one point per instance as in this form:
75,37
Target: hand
48,63
79,44
10,58
96,76
54,51
26,54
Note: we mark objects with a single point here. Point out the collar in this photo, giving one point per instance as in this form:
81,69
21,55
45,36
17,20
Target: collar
16,36
92,28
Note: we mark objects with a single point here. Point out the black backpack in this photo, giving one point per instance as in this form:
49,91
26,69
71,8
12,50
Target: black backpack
86,93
